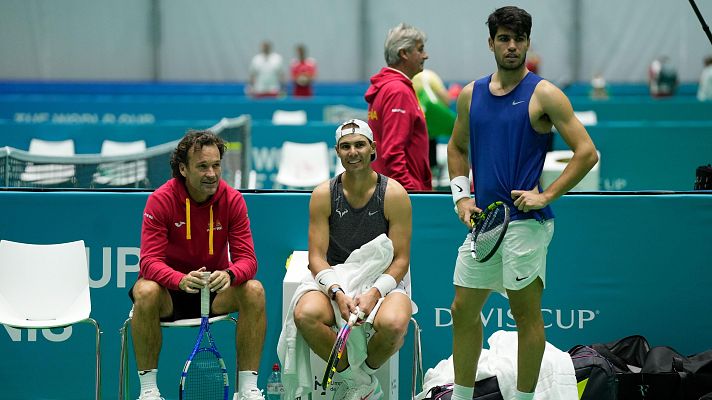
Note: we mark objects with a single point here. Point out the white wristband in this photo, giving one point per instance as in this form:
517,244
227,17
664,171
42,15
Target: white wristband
460,187
326,278
385,283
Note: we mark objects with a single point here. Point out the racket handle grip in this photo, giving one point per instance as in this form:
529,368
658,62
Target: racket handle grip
205,295
356,316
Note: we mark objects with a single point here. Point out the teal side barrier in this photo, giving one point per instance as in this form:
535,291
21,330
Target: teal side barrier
146,109
88,138
92,109
645,108
645,156
583,89
618,265
165,88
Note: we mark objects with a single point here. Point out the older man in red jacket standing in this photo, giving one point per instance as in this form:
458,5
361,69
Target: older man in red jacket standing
394,115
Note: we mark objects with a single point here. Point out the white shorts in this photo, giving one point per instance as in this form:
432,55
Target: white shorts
519,260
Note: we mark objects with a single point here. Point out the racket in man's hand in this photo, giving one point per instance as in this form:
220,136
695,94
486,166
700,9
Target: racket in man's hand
204,375
488,229
339,346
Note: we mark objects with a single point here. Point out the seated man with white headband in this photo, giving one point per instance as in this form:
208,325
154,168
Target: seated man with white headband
345,213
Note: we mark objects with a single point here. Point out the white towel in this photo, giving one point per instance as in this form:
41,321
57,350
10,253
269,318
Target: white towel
557,379
356,275
444,373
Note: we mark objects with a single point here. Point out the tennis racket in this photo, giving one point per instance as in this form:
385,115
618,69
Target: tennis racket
338,350
204,375
488,229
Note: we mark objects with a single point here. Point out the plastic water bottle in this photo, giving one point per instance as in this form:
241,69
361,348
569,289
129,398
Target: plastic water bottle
275,389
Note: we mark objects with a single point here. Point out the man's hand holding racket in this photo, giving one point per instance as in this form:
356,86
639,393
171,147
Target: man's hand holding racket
193,281
346,304
466,208
367,300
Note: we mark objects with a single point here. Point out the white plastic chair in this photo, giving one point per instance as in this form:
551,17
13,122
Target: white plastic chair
554,165
297,269
121,173
46,286
49,174
303,165
587,118
124,381
283,117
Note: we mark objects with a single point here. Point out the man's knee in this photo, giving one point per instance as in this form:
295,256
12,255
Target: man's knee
528,319
464,313
394,325
147,293
251,296
308,311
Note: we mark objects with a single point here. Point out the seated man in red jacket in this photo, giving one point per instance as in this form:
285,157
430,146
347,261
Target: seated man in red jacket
195,222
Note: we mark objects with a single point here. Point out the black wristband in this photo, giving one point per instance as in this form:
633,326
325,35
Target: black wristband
334,291
231,274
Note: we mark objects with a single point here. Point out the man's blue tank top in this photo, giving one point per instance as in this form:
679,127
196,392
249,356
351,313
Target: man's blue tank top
505,151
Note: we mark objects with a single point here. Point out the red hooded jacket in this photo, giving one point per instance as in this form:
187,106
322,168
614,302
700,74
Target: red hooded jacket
179,235
399,129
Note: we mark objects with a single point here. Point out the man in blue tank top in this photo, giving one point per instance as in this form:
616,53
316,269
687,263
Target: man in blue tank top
345,213
503,127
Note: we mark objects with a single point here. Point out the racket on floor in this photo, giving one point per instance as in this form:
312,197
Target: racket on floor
488,229
204,375
338,350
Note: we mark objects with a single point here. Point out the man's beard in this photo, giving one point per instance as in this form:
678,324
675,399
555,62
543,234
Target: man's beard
509,67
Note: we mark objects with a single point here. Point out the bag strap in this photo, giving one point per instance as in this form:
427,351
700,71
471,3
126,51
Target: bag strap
616,361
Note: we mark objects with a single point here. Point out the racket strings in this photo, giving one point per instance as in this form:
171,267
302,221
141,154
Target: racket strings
205,378
488,232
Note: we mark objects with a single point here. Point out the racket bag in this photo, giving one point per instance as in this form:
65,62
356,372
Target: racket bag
703,177
594,373
664,367
485,389
658,373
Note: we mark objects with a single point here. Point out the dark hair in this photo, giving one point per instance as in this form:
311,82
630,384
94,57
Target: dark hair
510,17
197,139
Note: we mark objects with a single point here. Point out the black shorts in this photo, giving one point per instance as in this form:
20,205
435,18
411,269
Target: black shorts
185,305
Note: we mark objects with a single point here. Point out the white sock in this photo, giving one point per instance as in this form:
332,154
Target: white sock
462,392
247,381
523,395
368,369
147,378
358,376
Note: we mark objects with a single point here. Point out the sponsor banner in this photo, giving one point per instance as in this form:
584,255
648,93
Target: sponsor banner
612,271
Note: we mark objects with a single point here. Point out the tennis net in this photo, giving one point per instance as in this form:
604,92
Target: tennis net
147,169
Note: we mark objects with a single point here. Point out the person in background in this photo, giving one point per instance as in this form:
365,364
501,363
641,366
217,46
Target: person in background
266,73
303,71
599,89
662,77
196,222
704,91
435,101
533,62
394,114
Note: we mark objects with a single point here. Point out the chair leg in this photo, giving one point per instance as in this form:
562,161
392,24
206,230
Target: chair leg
237,361
97,387
124,376
417,371
123,360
